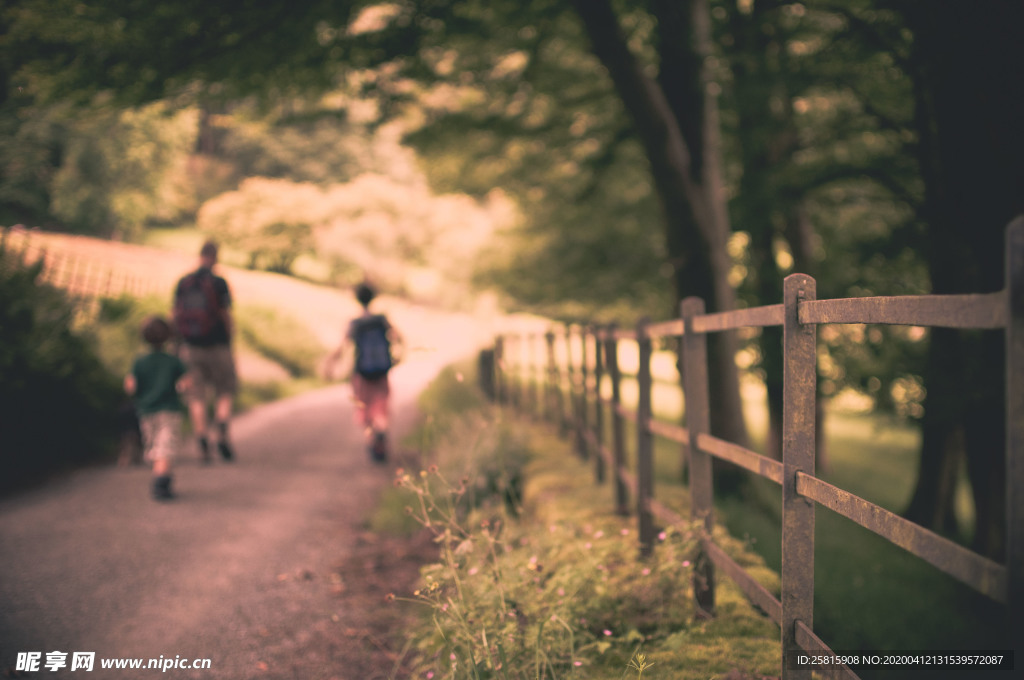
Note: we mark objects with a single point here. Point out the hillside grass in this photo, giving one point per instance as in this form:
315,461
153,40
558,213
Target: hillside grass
188,239
537,577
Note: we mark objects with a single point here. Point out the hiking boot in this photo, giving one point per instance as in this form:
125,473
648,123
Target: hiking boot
204,450
162,488
225,451
379,447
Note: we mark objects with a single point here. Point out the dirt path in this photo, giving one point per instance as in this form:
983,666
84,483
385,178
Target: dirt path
262,566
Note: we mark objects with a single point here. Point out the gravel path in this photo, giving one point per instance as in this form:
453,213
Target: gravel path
262,566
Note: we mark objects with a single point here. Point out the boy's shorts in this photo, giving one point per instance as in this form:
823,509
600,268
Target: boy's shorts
371,400
211,368
161,434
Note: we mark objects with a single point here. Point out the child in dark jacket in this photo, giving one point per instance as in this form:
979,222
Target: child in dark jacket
155,380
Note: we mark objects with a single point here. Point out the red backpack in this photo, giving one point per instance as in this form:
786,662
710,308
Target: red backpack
196,307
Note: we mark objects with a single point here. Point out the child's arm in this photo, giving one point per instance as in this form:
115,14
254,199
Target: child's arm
184,382
397,344
130,384
333,357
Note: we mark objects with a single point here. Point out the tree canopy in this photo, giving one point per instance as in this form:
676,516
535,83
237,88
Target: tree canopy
656,149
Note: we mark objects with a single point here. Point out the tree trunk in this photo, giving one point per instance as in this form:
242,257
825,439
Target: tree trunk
766,205
942,435
970,101
680,137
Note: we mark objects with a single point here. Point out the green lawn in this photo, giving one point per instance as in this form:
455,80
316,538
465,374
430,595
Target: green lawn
869,594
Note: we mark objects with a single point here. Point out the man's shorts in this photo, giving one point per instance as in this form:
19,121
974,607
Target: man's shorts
161,434
211,368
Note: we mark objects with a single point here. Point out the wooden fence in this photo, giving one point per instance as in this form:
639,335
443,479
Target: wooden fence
86,280
527,375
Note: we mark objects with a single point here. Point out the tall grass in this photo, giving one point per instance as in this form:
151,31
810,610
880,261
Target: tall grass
870,594
548,582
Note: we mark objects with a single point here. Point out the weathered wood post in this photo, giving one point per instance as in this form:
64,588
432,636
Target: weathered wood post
536,384
581,437
554,397
611,350
541,376
499,370
569,412
798,439
1015,429
511,371
698,422
644,442
599,462
574,397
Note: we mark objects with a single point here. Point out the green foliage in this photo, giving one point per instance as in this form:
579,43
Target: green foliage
322,149
464,434
123,169
509,601
269,220
552,587
57,399
30,148
406,238
118,328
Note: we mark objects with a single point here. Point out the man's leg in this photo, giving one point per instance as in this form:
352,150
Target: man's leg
224,380
222,413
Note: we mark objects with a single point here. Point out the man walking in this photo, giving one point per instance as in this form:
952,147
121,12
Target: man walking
202,315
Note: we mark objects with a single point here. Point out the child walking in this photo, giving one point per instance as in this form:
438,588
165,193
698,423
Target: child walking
155,380
377,348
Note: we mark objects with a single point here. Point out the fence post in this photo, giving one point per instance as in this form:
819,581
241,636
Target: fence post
540,376
611,349
698,422
584,424
520,373
644,442
1015,429
554,398
798,440
599,462
499,369
511,384
534,383
568,410
574,399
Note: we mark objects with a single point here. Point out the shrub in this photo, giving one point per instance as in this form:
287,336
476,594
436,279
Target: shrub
508,601
57,400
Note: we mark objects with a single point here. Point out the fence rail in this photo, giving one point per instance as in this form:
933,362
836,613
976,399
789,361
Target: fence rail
85,279
590,356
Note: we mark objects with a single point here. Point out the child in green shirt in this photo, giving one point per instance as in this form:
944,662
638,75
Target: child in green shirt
155,380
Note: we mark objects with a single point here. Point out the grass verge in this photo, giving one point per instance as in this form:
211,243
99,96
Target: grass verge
537,577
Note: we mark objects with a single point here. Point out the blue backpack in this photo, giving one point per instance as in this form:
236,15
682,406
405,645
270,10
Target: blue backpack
373,349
